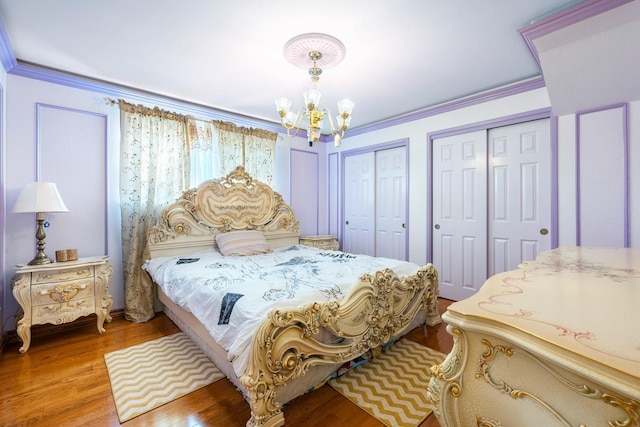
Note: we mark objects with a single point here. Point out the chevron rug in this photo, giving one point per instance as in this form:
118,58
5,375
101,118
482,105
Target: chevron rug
153,373
393,386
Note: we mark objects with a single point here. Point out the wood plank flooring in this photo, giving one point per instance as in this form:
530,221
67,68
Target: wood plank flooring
62,381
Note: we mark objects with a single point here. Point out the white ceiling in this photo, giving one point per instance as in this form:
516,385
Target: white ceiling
401,55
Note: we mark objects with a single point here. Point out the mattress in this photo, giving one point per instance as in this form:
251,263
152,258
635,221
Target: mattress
231,295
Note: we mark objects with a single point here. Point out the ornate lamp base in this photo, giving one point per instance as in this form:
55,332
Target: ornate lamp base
41,258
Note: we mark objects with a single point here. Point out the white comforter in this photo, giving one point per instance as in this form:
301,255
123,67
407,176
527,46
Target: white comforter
232,295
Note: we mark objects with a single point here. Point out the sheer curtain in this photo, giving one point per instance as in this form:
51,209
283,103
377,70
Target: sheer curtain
206,161
255,149
154,170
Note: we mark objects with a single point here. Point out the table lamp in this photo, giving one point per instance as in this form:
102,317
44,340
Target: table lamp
39,198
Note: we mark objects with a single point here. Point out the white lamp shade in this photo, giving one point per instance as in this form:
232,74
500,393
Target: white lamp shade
311,97
39,197
345,106
283,104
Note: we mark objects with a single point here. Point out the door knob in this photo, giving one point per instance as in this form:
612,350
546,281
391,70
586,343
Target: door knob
346,222
437,227
403,226
544,231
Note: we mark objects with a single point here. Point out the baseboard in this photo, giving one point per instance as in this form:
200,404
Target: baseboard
11,337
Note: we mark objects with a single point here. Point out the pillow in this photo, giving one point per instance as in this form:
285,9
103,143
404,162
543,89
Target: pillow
243,242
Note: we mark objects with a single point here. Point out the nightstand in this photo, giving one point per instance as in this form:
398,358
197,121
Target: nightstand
61,292
321,242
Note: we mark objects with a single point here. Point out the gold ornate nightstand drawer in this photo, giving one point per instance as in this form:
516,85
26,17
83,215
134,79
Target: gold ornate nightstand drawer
61,292
66,312
328,242
62,275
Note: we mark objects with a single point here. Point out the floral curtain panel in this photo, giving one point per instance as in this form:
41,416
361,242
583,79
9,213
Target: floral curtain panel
154,169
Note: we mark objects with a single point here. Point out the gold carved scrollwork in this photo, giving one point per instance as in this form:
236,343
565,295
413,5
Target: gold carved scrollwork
63,293
445,384
486,422
285,347
61,308
630,407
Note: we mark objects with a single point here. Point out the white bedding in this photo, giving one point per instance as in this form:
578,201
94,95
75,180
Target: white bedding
232,295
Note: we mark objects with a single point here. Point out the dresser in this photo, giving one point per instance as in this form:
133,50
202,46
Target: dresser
326,241
554,343
61,292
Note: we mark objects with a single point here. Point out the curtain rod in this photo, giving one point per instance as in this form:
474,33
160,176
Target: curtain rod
227,125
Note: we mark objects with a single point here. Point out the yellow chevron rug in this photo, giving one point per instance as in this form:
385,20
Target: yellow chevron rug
393,386
153,373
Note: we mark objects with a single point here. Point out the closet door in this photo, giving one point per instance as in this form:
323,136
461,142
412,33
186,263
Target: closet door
391,203
460,213
359,204
519,194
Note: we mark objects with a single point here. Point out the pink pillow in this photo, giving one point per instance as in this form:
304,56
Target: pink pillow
243,242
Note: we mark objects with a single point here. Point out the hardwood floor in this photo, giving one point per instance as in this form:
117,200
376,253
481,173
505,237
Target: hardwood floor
62,381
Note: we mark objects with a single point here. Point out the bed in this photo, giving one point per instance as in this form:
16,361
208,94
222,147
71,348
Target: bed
294,346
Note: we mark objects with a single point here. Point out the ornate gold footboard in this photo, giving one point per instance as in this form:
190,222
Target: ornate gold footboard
285,346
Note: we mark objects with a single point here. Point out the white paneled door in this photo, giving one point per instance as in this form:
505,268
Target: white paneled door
491,203
460,213
391,203
375,203
519,194
359,204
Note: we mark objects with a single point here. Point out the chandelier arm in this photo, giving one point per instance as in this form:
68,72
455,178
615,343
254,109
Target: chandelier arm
302,111
327,113
291,135
334,130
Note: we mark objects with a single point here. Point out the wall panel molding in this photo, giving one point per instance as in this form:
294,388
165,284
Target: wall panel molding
305,189
602,176
71,150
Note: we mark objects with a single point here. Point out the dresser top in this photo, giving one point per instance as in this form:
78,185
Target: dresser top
584,300
80,262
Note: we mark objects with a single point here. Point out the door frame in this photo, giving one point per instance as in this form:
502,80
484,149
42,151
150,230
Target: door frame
367,149
543,113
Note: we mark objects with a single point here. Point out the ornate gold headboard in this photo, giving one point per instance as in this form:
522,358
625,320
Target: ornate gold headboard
235,202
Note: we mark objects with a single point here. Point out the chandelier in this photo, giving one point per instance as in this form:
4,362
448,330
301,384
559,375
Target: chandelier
315,50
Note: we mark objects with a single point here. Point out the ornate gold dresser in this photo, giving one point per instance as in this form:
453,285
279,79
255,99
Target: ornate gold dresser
555,343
